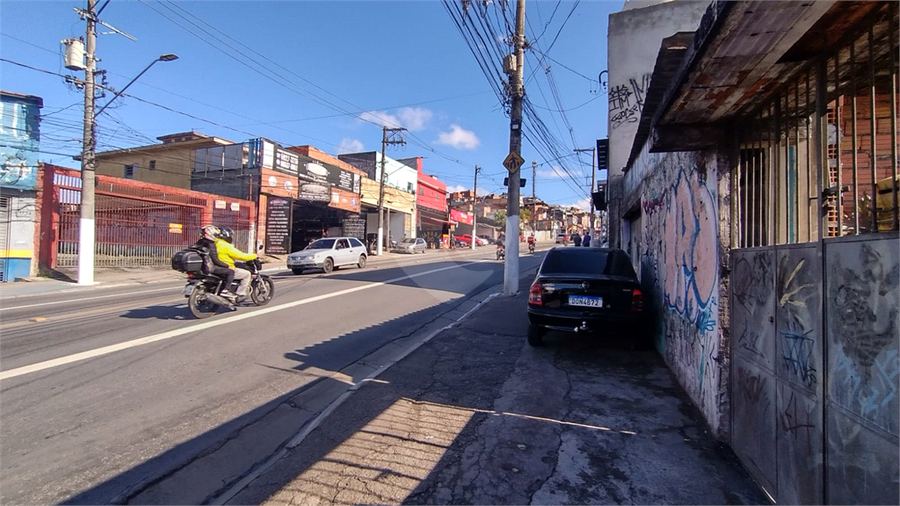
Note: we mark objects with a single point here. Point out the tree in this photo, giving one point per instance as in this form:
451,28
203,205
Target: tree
500,216
524,215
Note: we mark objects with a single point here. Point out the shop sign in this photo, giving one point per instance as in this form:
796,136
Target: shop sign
278,225
286,162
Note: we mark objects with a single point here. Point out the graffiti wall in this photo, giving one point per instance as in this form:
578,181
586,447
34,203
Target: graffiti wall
862,303
679,270
831,425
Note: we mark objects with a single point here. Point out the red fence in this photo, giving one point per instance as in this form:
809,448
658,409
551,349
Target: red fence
136,223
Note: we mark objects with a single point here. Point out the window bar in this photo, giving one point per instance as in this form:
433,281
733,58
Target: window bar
797,116
737,217
809,153
838,111
854,140
821,139
754,187
873,159
894,189
771,177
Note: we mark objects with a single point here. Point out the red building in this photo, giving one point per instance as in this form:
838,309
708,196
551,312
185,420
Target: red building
431,205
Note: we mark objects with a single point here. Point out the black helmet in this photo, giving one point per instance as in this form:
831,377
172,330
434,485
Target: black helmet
226,234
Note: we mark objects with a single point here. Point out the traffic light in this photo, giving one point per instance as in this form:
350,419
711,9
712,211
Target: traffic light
521,182
599,198
602,154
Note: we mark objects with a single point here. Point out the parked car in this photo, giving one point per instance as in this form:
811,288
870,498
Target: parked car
416,245
328,253
487,239
466,239
561,238
585,290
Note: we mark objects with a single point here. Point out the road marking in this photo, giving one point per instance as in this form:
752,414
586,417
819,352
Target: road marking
86,298
48,364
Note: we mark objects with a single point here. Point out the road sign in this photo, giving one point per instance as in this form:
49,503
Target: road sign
513,161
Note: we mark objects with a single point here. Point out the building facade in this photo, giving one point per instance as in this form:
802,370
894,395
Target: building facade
759,200
170,163
432,218
20,138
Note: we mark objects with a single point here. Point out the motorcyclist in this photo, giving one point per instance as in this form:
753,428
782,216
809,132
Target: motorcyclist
531,241
228,253
207,243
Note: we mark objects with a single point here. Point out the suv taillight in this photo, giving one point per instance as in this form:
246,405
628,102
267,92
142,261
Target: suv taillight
637,300
534,295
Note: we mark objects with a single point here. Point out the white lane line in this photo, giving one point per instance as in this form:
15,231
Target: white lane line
48,364
171,289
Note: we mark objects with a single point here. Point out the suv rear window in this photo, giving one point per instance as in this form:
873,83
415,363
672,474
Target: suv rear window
587,261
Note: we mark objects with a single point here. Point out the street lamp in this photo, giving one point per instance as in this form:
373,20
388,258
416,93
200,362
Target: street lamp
86,226
163,57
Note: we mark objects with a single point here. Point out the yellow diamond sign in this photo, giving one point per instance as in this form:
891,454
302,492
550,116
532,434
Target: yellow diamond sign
513,161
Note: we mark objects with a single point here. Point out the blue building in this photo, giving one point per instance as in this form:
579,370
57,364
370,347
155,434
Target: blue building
19,145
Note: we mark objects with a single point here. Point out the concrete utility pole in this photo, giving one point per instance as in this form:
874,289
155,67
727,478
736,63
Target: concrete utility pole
514,160
393,138
86,224
593,184
475,208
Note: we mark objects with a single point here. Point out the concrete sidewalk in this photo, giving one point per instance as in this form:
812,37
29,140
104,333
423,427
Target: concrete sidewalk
475,416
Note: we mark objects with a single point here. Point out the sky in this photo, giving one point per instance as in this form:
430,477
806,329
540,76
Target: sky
331,75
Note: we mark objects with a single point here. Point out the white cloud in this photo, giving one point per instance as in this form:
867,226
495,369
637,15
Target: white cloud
583,204
459,138
381,118
553,172
456,188
413,119
348,145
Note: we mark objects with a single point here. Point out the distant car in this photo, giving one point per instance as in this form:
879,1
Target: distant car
329,253
584,290
467,239
487,239
561,238
412,246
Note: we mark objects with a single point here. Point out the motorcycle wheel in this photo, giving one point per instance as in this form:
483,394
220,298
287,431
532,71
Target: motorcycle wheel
199,305
263,291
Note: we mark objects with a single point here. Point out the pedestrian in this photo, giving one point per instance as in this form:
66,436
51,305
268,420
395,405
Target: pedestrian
586,242
576,239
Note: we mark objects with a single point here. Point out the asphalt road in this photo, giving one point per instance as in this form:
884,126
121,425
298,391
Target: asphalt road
121,396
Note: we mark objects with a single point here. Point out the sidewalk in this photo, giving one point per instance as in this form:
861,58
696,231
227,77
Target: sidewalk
475,416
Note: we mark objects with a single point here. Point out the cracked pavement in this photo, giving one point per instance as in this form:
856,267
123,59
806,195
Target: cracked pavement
476,416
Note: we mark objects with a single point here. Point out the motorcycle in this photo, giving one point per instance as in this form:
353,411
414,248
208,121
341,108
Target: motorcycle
531,247
501,251
203,290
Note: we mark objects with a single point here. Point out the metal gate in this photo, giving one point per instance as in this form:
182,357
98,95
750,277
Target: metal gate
137,224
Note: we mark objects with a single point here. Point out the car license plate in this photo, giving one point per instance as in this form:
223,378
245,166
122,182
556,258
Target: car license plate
187,290
580,300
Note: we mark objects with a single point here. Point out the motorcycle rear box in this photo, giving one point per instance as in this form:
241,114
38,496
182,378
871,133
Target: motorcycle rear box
187,261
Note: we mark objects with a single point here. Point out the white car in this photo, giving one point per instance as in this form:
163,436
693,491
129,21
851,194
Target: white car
328,253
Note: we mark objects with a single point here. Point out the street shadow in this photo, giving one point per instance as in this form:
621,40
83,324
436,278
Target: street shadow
161,312
139,483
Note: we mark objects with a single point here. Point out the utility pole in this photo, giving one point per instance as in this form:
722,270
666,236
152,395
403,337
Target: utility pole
86,224
393,138
593,184
533,197
514,160
475,208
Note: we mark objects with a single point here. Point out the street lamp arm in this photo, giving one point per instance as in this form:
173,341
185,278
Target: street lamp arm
165,57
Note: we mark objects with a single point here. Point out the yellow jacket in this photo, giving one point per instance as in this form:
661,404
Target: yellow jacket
228,253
